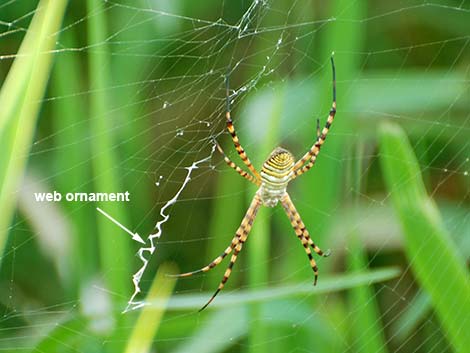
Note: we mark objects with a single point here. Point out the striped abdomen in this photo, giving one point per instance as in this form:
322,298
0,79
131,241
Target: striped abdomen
275,175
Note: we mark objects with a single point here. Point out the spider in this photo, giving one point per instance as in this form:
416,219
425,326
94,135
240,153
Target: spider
278,170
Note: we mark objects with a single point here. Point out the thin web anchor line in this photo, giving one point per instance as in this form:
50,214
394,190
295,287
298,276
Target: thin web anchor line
136,277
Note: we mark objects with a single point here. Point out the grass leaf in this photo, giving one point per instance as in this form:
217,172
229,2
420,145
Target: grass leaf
365,325
19,99
150,318
332,283
114,247
431,252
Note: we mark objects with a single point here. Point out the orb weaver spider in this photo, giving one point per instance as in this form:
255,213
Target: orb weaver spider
278,170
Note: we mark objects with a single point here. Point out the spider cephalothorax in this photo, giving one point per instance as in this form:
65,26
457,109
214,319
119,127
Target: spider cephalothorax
278,170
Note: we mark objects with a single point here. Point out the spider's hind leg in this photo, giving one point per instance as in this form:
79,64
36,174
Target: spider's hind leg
237,242
302,234
227,274
242,234
214,263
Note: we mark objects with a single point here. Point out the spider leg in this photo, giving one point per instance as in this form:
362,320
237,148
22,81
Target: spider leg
302,234
227,274
292,212
242,235
231,164
214,263
311,155
231,129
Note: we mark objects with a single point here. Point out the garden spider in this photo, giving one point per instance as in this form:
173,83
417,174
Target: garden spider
278,170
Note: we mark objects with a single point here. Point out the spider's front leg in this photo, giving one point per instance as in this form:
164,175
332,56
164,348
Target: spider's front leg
311,156
231,164
236,142
302,233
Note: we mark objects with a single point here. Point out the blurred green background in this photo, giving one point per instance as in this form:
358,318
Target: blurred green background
115,96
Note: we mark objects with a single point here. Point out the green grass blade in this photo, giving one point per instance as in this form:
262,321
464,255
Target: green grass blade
332,283
366,331
282,314
127,101
114,246
225,218
431,252
150,317
203,340
415,90
71,150
23,89
365,325
416,312
63,336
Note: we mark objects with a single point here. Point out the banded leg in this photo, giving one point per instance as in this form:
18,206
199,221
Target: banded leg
302,234
313,158
292,211
311,155
227,274
241,233
231,129
231,164
246,225
215,262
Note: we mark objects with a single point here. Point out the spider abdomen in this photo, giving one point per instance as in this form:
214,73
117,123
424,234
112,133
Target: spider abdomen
275,175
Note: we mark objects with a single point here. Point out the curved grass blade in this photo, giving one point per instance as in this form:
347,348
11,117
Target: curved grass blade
333,283
19,99
432,255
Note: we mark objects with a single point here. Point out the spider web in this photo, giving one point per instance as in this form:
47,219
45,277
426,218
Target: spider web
169,60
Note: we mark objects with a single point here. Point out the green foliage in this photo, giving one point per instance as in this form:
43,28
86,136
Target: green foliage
129,77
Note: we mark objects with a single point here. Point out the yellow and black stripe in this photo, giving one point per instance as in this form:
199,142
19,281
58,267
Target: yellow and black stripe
278,166
302,234
240,171
275,175
241,152
241,235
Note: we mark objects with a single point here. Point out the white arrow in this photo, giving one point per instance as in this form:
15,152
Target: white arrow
135,236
